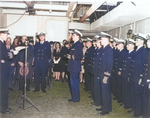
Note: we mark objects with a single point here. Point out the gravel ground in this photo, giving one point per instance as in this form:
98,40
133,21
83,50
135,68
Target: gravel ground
54,104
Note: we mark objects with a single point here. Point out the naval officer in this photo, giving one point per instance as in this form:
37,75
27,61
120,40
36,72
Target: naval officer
146,83
4,71
124,74
104,71
42,55
137,65
74,65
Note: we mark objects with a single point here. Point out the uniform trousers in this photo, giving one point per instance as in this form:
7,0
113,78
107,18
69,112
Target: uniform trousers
97,91
3,91
132,96
87,81
10,76
40,74
106,96
74,84
138,90
119,89
92,85
146,102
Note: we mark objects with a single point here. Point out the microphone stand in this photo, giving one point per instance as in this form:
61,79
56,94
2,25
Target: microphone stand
24,96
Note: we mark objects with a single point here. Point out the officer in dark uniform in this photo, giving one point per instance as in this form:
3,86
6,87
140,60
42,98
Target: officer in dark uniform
97,87
137,65
88,55
117,65
146,83
4,71
42,55
74,65
104,70
124,73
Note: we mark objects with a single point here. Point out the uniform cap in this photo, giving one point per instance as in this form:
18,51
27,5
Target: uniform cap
130,41
6,31
42,34
121,41
88,39
96,36
140,36
115,39
103,34
77,32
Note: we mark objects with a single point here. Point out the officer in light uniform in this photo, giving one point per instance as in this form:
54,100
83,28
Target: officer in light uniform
137,65
146,82
124,74
4,71
42,55
104,71
74,65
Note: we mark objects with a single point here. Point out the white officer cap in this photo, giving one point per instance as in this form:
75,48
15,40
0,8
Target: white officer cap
115,39
121,41
88,39
96,36
6,31
77,32
103,34
42,34
140,36
130,41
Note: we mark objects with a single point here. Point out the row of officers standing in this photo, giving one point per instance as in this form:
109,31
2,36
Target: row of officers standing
112,67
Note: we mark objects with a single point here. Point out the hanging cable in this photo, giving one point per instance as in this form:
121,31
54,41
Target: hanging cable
14,22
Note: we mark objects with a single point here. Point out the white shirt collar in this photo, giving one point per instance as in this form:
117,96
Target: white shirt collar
139,47
130,51
1,40
41,42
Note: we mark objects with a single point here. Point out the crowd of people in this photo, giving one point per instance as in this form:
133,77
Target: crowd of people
107,66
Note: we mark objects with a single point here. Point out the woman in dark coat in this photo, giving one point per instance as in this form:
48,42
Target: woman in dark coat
63,63
56,58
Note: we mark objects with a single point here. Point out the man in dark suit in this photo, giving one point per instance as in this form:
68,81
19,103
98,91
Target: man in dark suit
42,55
74,65
104,70
137,66
4,71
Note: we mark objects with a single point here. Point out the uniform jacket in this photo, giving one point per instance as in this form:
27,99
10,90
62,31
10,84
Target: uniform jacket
137,64
74,64
42,53
146,70
88,54
4,67
118,60
94,66
125,68
105,62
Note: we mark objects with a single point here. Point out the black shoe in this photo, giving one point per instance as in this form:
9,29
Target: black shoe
27,89
127,107
85,89
35,90
103,113
95,104
11,89
62,80
122,104
99,109
135,115
44,91
114,98
8,109
5,112
130,111
70,100
118,101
